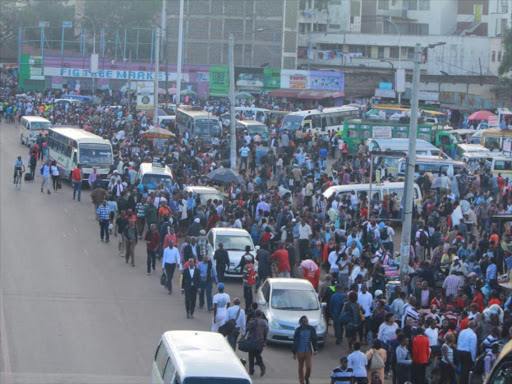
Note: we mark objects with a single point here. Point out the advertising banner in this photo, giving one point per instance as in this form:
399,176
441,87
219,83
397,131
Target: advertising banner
145,95
271,78
113,74
382,132
219,80
294,79
328,81
36,68
249,77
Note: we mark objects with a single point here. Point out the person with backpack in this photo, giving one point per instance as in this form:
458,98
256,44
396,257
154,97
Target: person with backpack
32,163
376,360
422,241
386,236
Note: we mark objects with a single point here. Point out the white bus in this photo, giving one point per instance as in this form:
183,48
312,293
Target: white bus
72,146
31,127
320,122
198,123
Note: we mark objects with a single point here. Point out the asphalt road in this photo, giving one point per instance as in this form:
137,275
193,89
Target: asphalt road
72,311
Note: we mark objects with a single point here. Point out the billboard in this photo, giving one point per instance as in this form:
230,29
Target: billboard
294,79
271,78
327,81
249,77
219,80
145,95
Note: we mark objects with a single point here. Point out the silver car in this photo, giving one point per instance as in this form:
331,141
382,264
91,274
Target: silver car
284,301
234,240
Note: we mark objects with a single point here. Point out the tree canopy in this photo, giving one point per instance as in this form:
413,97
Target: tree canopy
506,59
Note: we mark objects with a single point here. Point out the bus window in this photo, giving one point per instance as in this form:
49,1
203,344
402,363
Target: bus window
324,123
402,133
424,136
492,143
503,165
352,133
316,121
365,132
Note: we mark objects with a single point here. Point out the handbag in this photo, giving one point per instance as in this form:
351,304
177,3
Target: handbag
229,326
248,345
163,279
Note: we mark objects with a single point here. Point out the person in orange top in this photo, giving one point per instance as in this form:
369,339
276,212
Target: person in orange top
478,299
283,261
464,322
494,239
164,210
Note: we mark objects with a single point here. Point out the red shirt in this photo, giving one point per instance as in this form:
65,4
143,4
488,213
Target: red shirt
464,323
494,301
152,240
420,349
480,301
76,174
283,263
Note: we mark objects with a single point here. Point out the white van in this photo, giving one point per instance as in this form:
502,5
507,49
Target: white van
31,127
152,175
502,165
167,122
194,357
382,189
433,165
259,114
423,148
464,150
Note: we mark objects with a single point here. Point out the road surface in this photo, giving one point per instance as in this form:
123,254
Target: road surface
72,311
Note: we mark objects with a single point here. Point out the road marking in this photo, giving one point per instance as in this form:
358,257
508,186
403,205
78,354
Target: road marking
4,346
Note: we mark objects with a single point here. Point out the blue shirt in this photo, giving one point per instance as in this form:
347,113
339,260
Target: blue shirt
103,212
203,272
191,203
304,340
490,274
336,303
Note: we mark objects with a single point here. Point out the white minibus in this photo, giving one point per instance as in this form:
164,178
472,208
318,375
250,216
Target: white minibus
31,127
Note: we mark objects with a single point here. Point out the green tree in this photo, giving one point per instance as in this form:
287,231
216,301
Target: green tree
506,59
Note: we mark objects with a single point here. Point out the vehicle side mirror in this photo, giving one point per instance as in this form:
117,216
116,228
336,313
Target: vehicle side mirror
262,303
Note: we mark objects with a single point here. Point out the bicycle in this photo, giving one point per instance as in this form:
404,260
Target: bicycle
17,179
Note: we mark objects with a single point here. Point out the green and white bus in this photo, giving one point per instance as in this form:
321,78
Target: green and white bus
72,146
198,123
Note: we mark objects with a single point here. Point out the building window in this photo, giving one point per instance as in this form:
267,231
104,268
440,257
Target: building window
412,5
504,6
410,53
302,5
383,5
499,56
424,5
322,27
493,56
380,54
393,52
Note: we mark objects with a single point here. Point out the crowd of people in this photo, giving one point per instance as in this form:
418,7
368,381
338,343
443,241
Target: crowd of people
447,317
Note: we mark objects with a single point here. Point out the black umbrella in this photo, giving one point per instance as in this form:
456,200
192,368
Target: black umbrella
225,176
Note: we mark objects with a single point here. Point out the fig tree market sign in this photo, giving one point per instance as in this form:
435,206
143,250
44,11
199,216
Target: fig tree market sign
114,74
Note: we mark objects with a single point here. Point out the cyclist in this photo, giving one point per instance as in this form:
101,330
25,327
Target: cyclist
19,167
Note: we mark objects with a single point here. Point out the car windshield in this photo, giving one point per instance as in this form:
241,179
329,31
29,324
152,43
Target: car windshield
39,125
153,181
233,243
292,122
214,380
257,129
206,127
294,300
91,154
209,196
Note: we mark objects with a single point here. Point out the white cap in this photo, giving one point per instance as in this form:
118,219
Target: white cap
378,292
197,220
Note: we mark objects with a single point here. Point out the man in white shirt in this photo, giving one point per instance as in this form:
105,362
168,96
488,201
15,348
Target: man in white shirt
365,298
221,303
466,345
236,313
305,235
170,260
357,361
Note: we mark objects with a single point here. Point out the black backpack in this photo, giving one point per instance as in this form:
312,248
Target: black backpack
384,233
423,240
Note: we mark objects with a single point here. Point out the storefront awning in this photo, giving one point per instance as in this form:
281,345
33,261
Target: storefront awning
306,94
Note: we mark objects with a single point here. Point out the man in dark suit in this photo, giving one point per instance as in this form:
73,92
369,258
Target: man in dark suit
424,295
190,283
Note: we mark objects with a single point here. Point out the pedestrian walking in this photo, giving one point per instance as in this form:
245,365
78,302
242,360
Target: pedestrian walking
305,345
248,280
283,262
131,237
77,177
420,355
221,258
257,331
208,277
54,170
357,361
402,370
190,283
236,313
45,172
467,347
103,216
170,260
377,359
221,302
32,163
342,374
152,239
119,227
264,264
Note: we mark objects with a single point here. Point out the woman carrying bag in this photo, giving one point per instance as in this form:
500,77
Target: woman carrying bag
376,360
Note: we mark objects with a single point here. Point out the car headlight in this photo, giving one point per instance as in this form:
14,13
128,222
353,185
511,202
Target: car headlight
321,325
274,324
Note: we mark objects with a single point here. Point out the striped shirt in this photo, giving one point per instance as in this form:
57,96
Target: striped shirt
342,376
410,311
103,212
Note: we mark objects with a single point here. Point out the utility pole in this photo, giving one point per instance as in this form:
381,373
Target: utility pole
411,164
130,80
232,118
164,46
157,71
180,55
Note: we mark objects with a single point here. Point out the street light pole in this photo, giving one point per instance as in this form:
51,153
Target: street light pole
157,72
180,55
232,118
411,165
93,49
399,55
